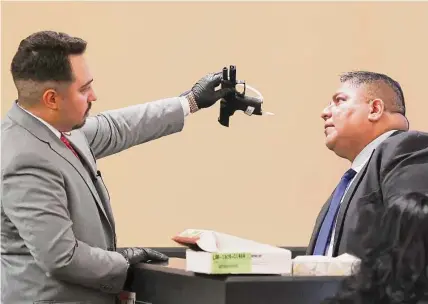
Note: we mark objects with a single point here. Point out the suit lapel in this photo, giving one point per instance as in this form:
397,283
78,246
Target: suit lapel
317,226
42,132
81,146
79,143
88,177
345,203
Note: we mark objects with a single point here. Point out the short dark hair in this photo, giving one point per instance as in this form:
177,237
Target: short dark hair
367,77
44,57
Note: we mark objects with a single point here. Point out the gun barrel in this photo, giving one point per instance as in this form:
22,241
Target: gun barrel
232,74
225,76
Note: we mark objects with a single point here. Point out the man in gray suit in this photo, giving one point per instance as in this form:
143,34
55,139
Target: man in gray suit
366,123
58,240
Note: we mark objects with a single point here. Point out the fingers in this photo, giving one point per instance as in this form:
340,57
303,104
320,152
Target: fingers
156,255
216,78
223,92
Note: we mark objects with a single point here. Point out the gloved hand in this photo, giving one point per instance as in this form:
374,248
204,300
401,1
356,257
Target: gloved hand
136,255
204,93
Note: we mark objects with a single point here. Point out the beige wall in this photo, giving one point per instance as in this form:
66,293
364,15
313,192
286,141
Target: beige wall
265,177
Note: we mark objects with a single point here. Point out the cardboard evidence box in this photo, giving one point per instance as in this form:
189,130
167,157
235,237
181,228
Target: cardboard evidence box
219,253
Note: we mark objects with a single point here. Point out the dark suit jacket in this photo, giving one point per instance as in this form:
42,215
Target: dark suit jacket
398,165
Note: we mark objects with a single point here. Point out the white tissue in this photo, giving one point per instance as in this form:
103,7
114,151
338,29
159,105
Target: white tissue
313,265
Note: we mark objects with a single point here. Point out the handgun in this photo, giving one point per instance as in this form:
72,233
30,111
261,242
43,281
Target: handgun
236,100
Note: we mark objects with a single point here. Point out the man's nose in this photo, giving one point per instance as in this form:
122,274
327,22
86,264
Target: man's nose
92,97
326,112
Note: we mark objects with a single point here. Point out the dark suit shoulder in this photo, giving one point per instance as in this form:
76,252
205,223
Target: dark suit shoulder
402,162
404,137
402,143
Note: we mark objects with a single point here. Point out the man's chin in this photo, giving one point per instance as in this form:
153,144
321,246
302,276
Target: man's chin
330,142
76,127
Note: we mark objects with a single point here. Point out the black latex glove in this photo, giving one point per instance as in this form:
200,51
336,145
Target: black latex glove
204,90
136,255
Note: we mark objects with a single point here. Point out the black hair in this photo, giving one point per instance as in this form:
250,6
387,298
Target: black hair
366,77
44,57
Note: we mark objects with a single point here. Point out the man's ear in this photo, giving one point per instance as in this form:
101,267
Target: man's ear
50,99
376,109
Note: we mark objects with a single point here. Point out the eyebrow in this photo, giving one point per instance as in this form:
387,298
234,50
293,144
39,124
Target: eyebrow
335,95
339,93
86,84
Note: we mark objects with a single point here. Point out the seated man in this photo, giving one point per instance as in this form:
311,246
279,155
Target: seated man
365,123
394,264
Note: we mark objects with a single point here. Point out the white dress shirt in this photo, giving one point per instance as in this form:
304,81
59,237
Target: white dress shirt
358,163
183,100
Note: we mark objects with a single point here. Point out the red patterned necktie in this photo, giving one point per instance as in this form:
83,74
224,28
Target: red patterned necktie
67,143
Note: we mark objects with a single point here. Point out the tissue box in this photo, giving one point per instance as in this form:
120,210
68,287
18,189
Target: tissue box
343,265
213,252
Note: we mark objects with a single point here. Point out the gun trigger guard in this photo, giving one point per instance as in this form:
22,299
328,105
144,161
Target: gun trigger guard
245,88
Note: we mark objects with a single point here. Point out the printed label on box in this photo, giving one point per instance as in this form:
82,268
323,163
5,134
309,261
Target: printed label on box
231,262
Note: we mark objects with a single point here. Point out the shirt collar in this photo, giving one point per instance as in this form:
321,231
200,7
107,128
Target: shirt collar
364,155
55,131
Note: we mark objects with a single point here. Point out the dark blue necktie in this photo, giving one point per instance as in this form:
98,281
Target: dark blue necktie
327,225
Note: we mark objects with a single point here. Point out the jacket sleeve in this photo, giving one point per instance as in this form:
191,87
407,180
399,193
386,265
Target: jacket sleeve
35,201
113,131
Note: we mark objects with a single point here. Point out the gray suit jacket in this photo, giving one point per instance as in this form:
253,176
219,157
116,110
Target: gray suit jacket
57,229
